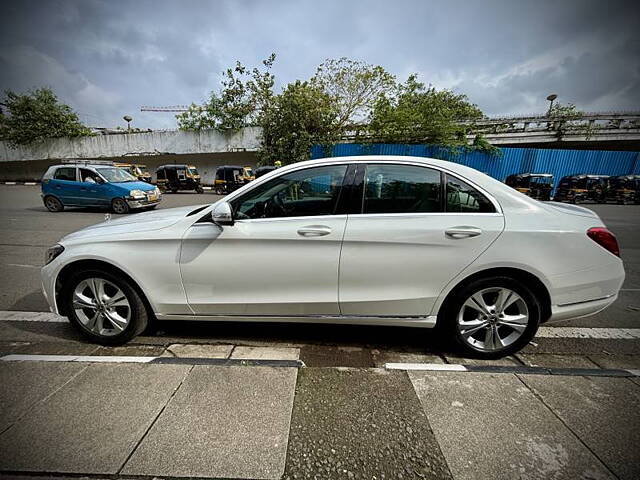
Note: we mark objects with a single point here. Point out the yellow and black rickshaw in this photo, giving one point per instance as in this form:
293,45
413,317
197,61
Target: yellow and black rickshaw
178,177
138,170
582,188
228,179
535,185
624,189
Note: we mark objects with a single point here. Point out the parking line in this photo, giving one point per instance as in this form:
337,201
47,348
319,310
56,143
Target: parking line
514,369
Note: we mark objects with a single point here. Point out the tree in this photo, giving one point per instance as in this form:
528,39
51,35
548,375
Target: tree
419,114
36,116
354,86
301,116
244,94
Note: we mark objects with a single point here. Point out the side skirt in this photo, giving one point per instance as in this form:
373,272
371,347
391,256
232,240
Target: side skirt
422,322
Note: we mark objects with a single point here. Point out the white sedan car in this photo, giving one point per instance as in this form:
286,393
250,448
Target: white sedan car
360,240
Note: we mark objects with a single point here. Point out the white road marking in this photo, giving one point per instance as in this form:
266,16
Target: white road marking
22,265
426,366
76,358
10,183
30,183
585,332
11,316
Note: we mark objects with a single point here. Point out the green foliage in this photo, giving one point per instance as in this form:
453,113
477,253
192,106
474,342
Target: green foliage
354,86
419,114
564,112
244,94
481,144
303,115
36,116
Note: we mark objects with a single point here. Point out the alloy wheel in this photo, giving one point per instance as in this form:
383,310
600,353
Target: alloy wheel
119,206
492,319
101,306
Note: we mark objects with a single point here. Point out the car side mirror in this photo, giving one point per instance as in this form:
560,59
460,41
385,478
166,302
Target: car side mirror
222,214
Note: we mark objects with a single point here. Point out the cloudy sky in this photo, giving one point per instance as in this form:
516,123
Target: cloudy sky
107,58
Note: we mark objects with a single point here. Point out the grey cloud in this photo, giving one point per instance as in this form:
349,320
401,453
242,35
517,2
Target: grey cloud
106,58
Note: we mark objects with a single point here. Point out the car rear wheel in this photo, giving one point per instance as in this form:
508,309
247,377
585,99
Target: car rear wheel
106,309
53,204
119,206
492,317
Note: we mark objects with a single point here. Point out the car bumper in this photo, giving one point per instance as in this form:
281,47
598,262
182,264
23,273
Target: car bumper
134,204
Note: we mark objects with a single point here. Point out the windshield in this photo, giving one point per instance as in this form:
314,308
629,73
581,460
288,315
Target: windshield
116,175
142,169
248,172
193,170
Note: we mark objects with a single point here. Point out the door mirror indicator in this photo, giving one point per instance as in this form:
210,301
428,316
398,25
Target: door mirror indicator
222,214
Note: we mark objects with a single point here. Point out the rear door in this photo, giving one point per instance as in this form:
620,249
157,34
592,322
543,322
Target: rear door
64,185
416,229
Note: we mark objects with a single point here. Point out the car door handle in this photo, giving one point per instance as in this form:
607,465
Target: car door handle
314,231
462,232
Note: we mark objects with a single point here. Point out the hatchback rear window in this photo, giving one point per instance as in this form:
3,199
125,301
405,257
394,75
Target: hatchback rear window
66,173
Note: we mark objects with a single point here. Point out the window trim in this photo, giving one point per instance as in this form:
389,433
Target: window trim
305,167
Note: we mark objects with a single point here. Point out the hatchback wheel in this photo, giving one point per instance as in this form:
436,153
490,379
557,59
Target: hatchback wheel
493,317
53,204
118,205
106,309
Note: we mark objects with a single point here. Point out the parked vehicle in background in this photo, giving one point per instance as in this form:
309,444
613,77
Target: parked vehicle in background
419,242
228,179
535,185
624,189
96,185
178,177
138,170
260,171
582,188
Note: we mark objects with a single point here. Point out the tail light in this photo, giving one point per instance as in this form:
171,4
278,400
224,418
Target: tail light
605,239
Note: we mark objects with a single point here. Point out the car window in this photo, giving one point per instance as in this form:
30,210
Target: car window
116,175
88,176
463,198
66,173
401,189
312,191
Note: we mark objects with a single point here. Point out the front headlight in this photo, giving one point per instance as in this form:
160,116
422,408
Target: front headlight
157,191
136,194
52,253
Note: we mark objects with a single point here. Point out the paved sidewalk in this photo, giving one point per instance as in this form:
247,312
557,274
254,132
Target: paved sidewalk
162,420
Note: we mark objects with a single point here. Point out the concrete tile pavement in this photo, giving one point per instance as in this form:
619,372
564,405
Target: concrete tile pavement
603,412
224,422
491,426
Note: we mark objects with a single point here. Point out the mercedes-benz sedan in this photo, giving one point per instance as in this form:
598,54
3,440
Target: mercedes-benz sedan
387,240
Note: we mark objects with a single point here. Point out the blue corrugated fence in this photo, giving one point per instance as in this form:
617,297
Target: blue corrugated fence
514,160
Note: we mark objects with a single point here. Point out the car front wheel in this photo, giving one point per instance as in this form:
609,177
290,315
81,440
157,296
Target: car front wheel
105,308
118,205
493,317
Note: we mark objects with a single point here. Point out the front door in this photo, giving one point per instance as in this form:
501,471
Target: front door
417,230
281,256
92,192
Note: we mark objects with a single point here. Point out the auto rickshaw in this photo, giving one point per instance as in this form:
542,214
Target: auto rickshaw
138,170
264,170
624,189
178,177
228,179
535,185
582,188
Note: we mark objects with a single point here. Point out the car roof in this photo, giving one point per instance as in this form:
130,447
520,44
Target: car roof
82,165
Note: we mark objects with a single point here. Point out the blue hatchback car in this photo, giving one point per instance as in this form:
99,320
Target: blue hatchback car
96,185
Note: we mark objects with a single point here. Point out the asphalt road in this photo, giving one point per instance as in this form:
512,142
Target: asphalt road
27,229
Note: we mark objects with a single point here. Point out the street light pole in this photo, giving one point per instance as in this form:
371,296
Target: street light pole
551,98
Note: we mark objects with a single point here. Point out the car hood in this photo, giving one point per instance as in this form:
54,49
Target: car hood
137,222
144,186
572,209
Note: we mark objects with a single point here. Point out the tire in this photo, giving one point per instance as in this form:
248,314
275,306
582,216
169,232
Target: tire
119,206
199,189
461,322
128,321
53,204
